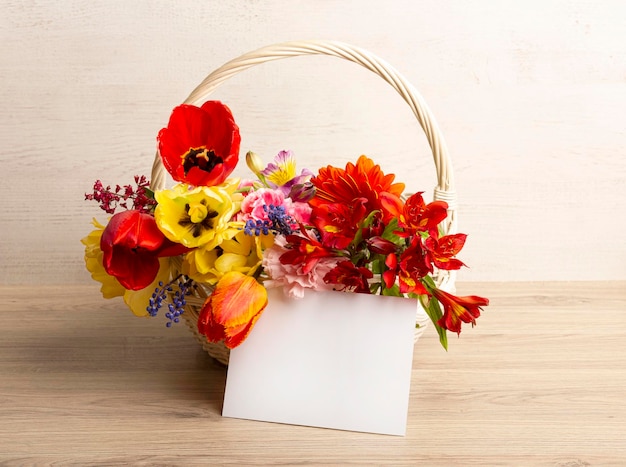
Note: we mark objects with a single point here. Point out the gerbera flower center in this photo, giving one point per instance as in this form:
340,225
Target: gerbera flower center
198,217
202,158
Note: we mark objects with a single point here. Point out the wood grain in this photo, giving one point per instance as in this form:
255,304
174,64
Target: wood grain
539,381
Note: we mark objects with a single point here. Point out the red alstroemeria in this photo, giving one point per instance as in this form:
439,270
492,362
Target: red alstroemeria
443,250
458,310
363,180
200,145
338,223
131,245
375,228
305,250
417,216
232,309
350,277
410,268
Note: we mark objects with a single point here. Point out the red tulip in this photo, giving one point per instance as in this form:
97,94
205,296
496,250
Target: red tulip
200,145
131,245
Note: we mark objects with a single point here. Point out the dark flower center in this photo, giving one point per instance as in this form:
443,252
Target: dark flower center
197,227
203,158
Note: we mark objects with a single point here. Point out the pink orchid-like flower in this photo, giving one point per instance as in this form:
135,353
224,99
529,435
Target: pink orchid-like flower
281,174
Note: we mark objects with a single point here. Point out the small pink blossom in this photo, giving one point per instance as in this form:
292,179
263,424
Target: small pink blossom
252,205
301,212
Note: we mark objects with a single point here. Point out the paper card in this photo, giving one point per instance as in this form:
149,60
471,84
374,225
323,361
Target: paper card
332,359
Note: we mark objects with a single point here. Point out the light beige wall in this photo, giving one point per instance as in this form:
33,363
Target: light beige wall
531,97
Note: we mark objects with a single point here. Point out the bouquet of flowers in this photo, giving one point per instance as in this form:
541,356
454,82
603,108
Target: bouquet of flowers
346,229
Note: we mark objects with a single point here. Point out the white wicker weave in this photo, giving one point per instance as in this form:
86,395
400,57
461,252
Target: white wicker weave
444,189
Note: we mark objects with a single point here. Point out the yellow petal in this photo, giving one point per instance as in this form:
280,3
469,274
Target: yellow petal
202,260
93,262
137,300
230,262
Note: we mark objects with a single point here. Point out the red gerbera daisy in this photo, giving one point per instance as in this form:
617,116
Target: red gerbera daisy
200,145
363,180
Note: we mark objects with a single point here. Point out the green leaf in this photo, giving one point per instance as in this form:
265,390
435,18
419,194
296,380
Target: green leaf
367,222
433,310
388,233
377,264
392,292
374,287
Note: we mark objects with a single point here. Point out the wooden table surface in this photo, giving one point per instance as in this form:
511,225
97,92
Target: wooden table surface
541,380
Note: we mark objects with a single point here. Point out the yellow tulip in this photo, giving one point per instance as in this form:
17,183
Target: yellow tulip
242,253
198,217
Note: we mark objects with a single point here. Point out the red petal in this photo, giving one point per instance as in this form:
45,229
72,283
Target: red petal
235,336
129,247
135,271
392,204
132,229
207,326
211,127
185,130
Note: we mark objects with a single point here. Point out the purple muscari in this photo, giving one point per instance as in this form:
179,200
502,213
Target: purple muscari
176,306
278,222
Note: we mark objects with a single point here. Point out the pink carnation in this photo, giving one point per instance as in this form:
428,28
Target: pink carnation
290,276
299,211
252,205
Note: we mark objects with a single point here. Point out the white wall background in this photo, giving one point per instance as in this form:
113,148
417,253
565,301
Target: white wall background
531,97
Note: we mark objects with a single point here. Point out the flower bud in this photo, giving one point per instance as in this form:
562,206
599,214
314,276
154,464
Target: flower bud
302,192
254,163
381,245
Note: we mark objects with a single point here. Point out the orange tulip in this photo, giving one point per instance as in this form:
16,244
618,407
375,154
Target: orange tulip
232,309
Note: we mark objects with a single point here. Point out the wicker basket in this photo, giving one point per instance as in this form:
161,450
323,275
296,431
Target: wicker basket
444,189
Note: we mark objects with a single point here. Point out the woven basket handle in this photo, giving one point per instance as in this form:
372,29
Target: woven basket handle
445,182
